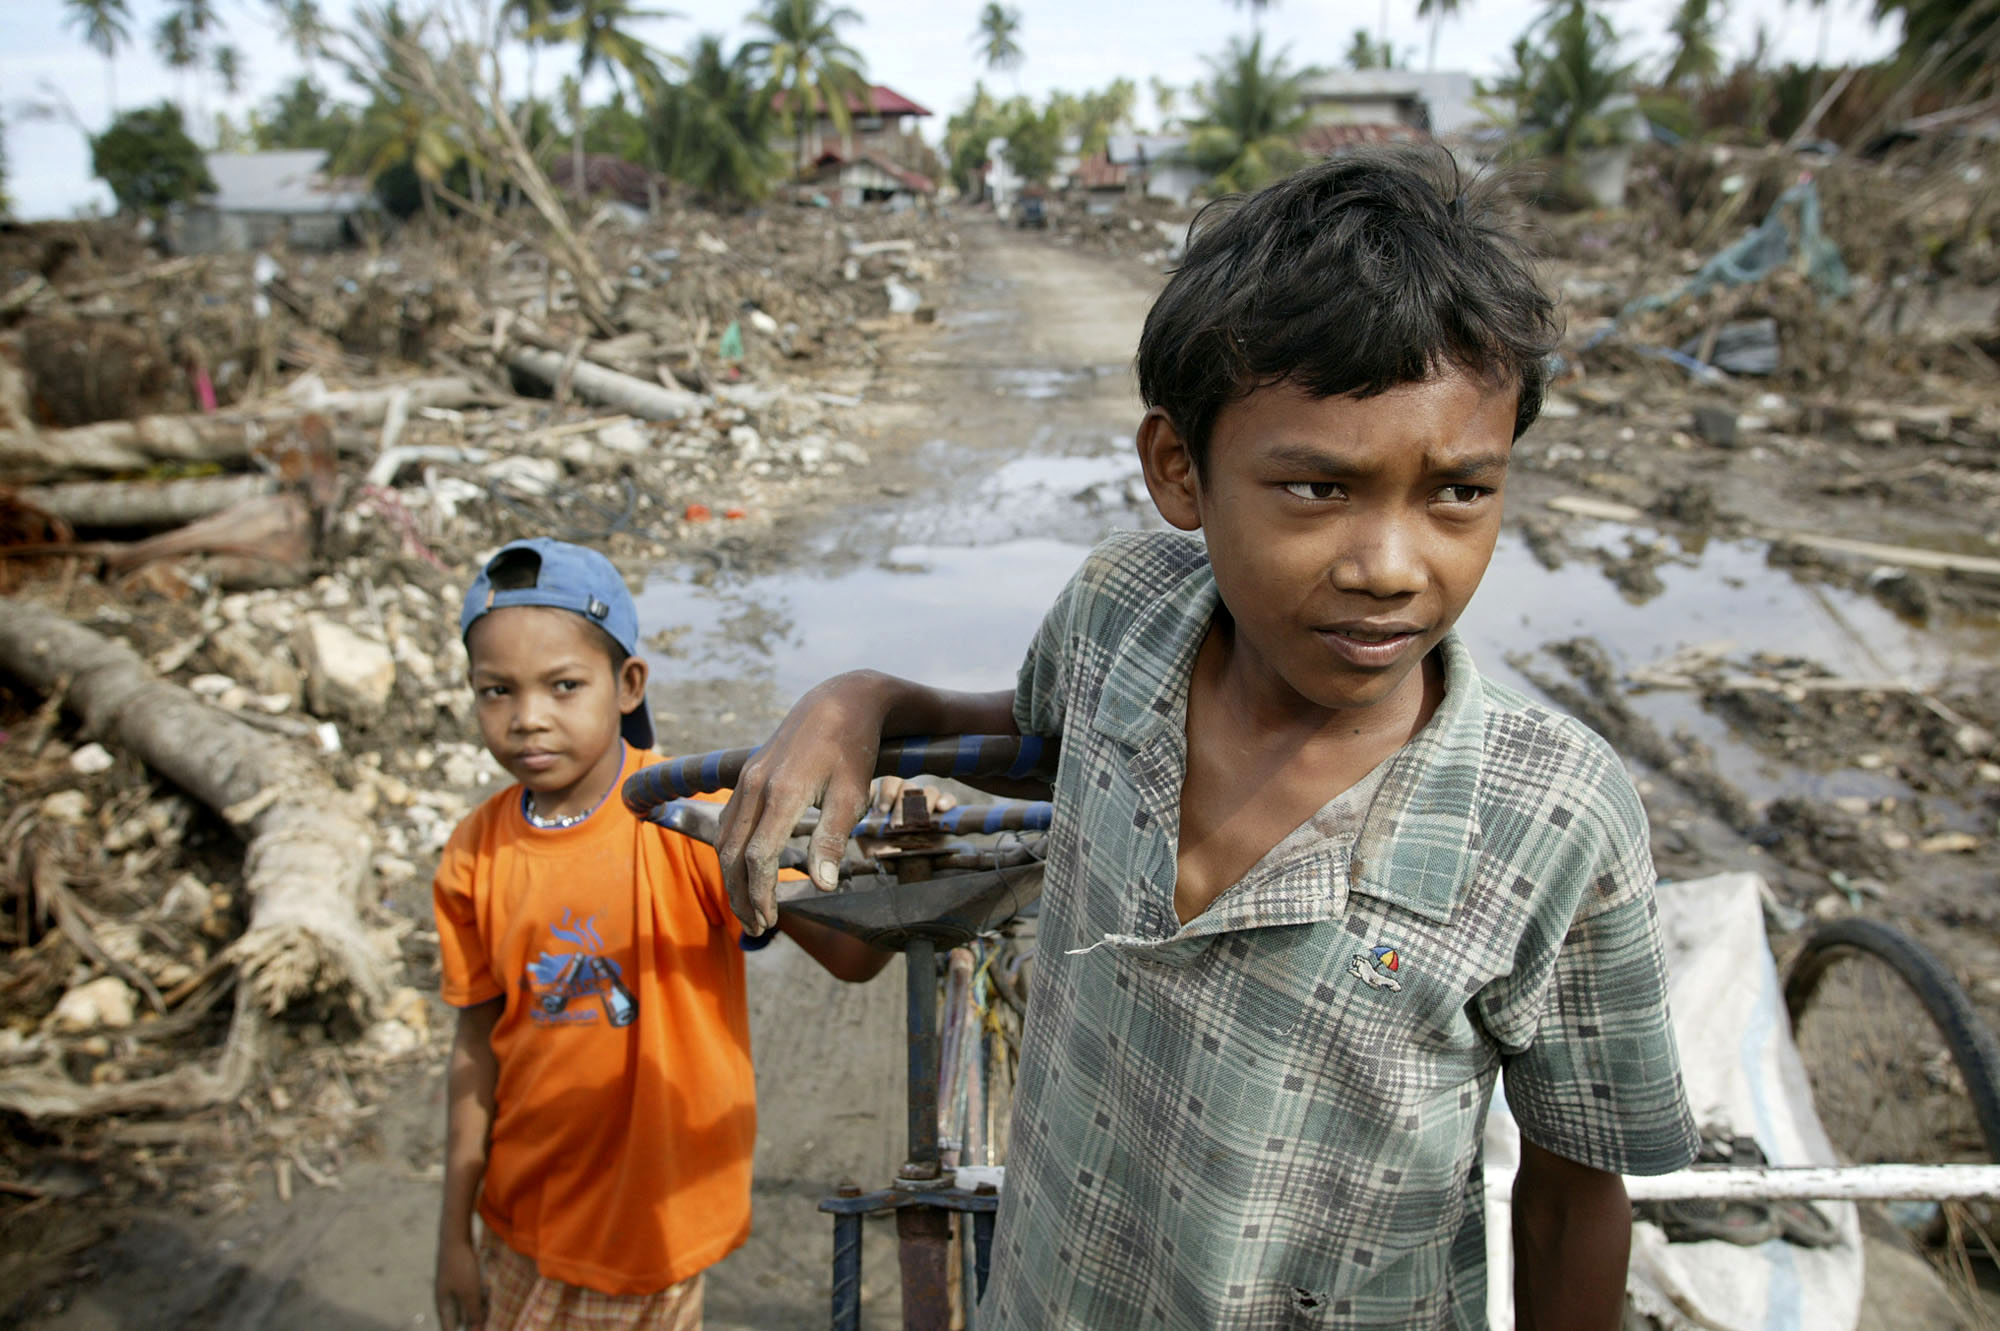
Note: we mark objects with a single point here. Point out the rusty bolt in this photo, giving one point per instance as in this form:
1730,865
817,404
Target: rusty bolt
847,1187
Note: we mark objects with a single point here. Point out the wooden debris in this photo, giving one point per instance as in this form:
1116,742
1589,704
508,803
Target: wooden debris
306,863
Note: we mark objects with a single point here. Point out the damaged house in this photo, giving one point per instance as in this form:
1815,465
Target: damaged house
264,199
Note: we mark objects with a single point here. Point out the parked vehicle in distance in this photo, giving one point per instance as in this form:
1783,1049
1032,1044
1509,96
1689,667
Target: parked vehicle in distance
1031,211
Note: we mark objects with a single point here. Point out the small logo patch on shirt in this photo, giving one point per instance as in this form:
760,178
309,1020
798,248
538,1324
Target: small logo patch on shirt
1377,968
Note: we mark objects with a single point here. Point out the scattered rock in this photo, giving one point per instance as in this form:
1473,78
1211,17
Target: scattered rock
348,677
106,1003
90,760
1949,843
66,806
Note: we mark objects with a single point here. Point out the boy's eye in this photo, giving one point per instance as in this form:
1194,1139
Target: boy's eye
568,685
491,691
1321,490
1464,494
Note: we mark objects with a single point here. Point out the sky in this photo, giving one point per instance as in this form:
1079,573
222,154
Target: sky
921,48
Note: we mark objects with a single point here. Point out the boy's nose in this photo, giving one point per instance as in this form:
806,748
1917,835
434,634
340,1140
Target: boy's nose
1379,556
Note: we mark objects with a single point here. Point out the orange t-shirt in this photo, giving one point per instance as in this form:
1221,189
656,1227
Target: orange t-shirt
625,1116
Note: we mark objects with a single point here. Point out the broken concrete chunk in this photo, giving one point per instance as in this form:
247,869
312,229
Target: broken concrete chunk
623,437
266,667
348,677
90,760
106,1003
529,476
1716,424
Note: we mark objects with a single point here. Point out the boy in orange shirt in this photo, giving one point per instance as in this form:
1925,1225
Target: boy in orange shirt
602,1111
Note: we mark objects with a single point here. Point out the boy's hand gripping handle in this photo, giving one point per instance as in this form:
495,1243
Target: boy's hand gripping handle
1016,757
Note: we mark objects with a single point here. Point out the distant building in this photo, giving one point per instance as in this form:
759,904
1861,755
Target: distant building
867,178
271,198
1439,104
875,122
1159,165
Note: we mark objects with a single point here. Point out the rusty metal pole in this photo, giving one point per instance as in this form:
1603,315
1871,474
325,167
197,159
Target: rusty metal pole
923,1232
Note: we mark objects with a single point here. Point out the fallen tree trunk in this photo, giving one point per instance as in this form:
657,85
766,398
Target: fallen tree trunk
147,504
230,440
634,397
306,866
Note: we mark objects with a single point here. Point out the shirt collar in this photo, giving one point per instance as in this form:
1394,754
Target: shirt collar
1423,837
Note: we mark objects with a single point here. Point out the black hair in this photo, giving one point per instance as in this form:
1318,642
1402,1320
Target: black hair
518,569
1377,268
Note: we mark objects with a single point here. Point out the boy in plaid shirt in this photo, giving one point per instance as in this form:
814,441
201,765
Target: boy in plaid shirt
1314,883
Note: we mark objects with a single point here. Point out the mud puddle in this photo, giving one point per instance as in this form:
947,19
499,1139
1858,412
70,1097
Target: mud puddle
948,584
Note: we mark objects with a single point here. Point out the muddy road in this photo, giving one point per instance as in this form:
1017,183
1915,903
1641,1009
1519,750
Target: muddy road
1001,452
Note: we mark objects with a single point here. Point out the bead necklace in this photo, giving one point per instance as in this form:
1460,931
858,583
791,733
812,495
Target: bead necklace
567,820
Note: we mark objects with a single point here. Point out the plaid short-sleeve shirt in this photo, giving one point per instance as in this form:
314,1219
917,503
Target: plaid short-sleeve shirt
1271,1116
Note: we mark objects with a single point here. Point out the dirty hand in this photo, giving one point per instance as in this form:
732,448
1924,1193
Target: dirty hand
887,794
461,1289
822,753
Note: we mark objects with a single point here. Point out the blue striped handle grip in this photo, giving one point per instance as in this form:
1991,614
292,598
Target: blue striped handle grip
1016,757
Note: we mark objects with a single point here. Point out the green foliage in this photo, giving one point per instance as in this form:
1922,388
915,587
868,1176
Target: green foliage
1958,39
616,129
1568,81
711,130
997,38
1165,96
397,129
175,43
301,115
149,161
227,62
601,30
1251,116
104,25
304,26
1034,142
1670,112
967,131
1694,30
1363,52
1437,11
804,59
1094,115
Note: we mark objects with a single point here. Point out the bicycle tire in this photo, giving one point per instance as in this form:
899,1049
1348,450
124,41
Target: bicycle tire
1967,1037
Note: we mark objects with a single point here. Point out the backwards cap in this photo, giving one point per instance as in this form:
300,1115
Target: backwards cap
565,577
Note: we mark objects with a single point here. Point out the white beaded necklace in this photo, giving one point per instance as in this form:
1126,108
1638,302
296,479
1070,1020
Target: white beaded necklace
567,820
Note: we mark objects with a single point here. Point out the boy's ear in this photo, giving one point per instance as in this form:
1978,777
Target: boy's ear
631,684
1170,472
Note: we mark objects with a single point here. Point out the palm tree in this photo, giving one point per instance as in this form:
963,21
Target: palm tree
1165,96
303,24
1437,11
228,63
712,130
1251,115
599,29
996,38
1575,77
807,63
103,25
1256,8
176,46
1696,58
398,127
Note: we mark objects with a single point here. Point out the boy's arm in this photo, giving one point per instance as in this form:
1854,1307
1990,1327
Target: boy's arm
461,1296
1572,1237
823,753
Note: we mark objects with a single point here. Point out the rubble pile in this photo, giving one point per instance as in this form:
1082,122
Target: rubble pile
1147,230
269,477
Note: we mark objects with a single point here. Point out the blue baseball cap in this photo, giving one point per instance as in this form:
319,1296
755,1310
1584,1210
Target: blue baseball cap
565,577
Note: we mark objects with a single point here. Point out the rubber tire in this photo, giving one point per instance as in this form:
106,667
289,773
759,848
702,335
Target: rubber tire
1971,1042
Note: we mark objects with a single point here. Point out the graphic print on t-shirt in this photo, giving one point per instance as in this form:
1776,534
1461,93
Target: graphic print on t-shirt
563,983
